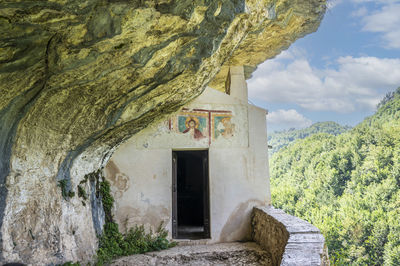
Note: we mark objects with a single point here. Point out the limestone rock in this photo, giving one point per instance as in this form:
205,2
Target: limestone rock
79,77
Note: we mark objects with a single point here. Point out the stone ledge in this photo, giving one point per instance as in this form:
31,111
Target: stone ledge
289,239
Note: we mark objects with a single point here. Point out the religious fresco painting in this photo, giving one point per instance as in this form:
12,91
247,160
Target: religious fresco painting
223,126
193,125
201,123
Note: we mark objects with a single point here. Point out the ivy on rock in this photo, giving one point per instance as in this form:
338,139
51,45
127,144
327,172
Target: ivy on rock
113,243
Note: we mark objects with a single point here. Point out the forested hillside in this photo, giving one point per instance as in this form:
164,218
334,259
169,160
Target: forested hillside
281,139
348,186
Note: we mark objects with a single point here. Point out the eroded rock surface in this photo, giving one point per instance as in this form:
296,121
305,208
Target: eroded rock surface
78,77
249,254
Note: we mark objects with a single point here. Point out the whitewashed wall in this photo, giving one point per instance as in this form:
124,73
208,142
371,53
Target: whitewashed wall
140,171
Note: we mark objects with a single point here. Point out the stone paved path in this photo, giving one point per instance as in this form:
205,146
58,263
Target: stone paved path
200,255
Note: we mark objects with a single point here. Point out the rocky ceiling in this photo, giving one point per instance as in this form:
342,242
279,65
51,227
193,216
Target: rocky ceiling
78,77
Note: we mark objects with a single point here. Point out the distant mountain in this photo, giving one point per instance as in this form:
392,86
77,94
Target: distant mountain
348,186
281,139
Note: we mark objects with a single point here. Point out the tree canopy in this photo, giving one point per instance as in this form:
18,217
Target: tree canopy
348,186
280,139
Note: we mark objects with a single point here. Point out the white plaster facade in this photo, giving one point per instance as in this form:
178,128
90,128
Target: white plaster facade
140,171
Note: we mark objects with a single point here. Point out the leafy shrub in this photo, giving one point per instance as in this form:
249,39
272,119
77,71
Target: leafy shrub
113,244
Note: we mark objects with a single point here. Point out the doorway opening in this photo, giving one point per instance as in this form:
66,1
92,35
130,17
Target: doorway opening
190,195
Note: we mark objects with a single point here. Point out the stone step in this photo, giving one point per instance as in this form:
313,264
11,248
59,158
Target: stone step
248,254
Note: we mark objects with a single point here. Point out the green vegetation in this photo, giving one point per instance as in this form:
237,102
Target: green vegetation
348,186
71,264
113,244
63,184
82,194
281,139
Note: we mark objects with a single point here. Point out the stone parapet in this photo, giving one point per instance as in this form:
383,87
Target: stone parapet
288,239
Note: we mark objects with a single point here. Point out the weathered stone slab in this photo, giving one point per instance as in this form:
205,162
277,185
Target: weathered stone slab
288,239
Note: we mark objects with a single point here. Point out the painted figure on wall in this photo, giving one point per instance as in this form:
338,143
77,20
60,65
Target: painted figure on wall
202,123
223,127
192,125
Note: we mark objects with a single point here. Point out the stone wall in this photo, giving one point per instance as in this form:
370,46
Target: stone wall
288,239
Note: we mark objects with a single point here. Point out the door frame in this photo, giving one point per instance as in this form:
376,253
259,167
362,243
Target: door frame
206,190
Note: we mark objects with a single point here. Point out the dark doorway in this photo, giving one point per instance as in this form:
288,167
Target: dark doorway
190,195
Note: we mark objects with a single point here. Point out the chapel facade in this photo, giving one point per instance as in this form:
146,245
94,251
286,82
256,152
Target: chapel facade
200,172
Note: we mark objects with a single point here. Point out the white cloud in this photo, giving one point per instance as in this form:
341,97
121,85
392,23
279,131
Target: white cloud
360,12
332,3
355,83
283,119
382,17
387,22
293,53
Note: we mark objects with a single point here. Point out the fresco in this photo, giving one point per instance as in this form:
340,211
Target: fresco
223,126
193,125
200,123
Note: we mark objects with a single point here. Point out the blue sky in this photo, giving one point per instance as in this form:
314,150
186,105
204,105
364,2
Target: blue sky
338,73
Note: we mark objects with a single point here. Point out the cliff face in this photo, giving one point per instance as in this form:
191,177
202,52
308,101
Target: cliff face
78,77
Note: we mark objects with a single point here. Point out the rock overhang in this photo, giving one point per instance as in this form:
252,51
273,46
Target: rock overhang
79,77
283,22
